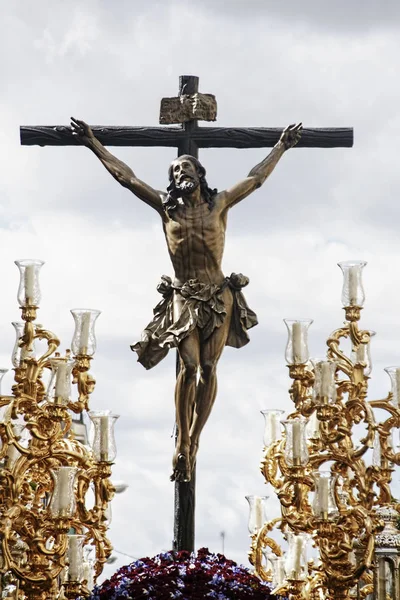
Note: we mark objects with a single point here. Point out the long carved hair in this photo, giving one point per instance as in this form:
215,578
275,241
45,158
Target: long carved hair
171,201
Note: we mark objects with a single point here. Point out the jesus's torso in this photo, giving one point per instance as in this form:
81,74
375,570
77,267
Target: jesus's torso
195,238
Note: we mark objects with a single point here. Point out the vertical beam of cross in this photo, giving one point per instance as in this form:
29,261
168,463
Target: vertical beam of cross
185,492
188,84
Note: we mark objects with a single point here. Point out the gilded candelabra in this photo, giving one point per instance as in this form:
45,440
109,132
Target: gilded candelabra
47,476
333,495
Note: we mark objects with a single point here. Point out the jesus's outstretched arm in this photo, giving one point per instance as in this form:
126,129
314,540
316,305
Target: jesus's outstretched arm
260,172
118,169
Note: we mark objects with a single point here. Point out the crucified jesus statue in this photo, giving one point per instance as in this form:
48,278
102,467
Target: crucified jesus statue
202,310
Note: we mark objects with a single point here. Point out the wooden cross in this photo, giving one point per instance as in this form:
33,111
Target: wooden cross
188,137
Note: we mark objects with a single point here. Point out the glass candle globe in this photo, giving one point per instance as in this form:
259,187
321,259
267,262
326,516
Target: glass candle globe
29,289
377,451
324,505
378,457
88,573
313,427
19,354
84,339
394,374
324,391
256,512
62,503
297,345
352,291
75,557
296,451
296,561
103,444
363,354
272,429
59,388
278,570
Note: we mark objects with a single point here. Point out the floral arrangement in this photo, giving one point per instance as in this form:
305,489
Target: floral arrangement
185,576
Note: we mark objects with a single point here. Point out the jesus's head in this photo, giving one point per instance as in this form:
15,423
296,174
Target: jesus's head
186,174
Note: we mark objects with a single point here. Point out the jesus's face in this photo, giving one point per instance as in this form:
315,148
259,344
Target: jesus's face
185,175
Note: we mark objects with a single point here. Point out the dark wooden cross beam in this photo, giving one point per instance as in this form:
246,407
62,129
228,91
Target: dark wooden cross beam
188,137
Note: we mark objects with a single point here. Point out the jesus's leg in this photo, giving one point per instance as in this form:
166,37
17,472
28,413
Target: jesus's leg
185,390
210,353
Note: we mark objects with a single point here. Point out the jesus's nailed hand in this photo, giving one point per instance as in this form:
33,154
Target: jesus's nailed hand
81,131
291,135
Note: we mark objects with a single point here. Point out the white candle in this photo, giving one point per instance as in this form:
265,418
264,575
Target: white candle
377,452
88,575
29,277
296,431
326,379
353,285
104,437
323,495
85,328
258,512
73,558
397,395
279,571
297,344
63,490
297,550
272,428
313,426
62,390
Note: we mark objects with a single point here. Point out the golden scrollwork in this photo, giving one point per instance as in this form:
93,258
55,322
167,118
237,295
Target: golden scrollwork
345,539
33,539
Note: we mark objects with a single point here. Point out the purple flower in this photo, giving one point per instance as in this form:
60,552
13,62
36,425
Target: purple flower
183,576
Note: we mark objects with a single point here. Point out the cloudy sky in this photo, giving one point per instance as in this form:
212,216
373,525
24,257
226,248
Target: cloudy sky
269,64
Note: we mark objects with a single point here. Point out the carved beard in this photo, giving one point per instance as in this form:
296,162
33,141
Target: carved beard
187,186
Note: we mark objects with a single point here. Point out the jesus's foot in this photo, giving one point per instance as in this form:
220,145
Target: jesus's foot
181,467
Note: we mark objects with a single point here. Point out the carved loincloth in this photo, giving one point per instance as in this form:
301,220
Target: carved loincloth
203,307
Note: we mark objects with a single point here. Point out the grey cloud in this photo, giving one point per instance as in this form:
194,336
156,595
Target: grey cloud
340,16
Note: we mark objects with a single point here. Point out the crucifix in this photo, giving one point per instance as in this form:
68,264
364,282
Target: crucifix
202,310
